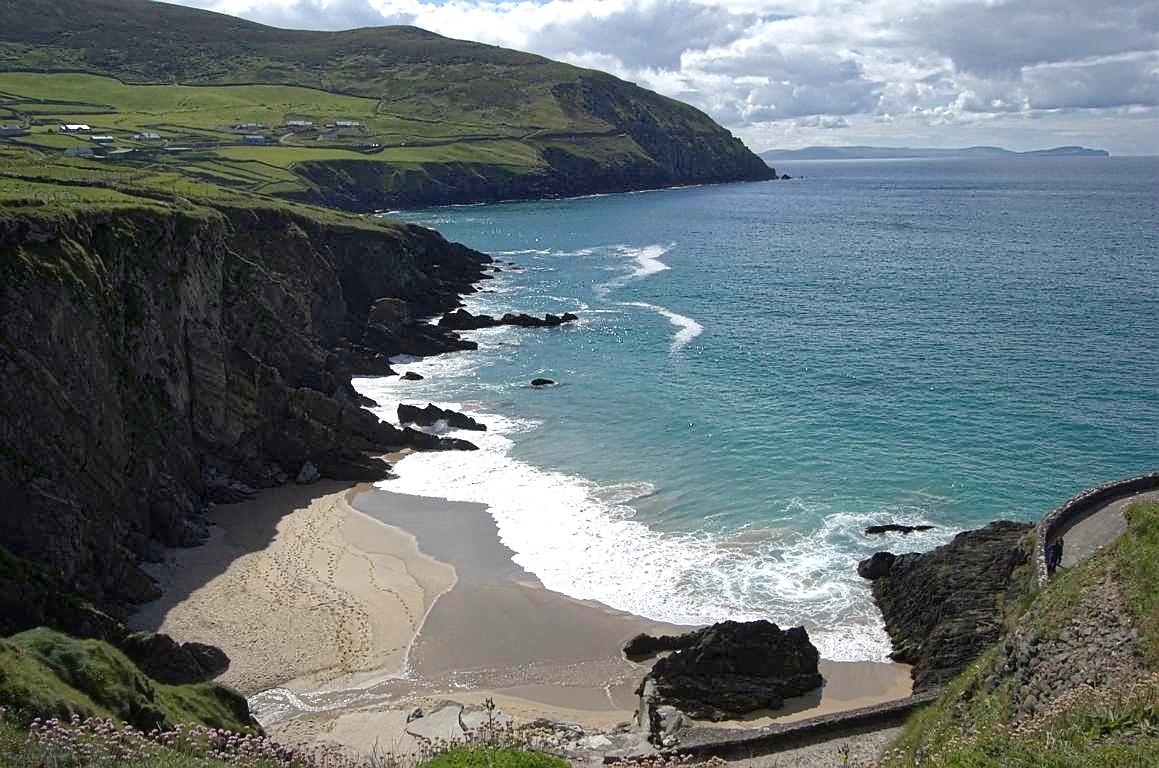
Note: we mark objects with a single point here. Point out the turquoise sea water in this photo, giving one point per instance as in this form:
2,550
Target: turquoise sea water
761,370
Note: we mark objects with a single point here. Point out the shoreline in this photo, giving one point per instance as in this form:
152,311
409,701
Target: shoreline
345,607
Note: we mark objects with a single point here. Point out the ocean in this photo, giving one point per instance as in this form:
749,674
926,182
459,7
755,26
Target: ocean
762,370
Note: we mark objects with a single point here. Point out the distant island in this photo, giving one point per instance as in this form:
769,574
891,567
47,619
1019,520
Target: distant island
897,153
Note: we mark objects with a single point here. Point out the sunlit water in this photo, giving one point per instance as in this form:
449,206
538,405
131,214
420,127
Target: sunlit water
762,370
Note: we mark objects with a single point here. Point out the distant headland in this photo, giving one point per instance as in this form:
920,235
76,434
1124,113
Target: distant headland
897,153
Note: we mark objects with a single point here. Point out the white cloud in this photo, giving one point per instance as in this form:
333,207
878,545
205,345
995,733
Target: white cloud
1019,73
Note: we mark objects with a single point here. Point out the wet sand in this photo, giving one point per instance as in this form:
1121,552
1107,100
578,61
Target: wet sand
356,606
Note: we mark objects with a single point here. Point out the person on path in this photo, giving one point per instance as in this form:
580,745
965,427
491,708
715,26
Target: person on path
1054,557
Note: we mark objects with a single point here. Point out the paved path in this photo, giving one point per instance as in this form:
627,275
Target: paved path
1101,527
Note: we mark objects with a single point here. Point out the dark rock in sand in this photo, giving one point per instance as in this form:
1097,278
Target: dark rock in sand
944,607
161,658
876,566
644,646
412,376
412,414
733,668
209,657
542,382
872,529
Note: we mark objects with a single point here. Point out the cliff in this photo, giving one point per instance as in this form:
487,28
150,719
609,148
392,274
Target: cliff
154,356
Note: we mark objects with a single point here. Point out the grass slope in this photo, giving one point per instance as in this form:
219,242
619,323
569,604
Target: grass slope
969,726
44,673
416,110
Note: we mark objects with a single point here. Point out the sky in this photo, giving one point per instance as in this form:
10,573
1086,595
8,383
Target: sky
786,74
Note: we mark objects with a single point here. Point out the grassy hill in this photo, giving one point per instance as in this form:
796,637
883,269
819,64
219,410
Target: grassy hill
366,118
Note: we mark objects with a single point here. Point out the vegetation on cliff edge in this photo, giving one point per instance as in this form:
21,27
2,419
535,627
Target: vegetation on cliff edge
973,723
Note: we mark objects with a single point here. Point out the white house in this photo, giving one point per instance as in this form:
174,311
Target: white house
74,128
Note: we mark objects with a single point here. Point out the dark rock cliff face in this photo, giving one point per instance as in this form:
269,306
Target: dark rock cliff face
147,356
943,608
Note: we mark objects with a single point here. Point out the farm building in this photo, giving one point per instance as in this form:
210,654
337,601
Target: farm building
253,139
74,128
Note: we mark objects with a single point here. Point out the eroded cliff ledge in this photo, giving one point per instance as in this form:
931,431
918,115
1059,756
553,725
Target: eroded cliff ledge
150,352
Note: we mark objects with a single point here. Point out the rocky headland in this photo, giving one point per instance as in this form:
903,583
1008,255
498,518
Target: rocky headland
944,607
155,358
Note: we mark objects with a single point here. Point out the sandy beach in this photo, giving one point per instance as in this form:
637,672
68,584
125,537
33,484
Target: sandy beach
344,608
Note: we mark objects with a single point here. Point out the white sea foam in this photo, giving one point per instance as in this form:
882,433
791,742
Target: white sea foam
688,329
583,540
647,259
642,262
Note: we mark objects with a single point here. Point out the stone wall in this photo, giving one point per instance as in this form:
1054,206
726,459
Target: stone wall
1074,509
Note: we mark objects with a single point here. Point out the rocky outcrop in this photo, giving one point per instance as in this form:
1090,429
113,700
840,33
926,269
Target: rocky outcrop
462,320
165,660
425,417
875,567
146,351
733,668
944,607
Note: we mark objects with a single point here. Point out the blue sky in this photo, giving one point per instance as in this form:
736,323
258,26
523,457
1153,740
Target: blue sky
1023,74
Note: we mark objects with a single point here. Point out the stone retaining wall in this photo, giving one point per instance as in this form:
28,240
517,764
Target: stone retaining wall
708,742
1079,506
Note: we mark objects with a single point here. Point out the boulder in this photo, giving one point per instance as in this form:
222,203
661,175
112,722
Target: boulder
735,668
412,376
876,566
161,658
644,646
895,527
412,414
210,658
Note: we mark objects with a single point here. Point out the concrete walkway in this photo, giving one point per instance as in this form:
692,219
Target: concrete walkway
1083,538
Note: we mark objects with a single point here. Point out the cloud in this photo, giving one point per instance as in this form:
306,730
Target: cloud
1004,37
933,72
652,34
1133,81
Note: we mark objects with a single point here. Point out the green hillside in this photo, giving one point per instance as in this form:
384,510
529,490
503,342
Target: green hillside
360,119
1075,681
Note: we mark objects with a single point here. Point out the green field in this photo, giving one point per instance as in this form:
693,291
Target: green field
198,139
